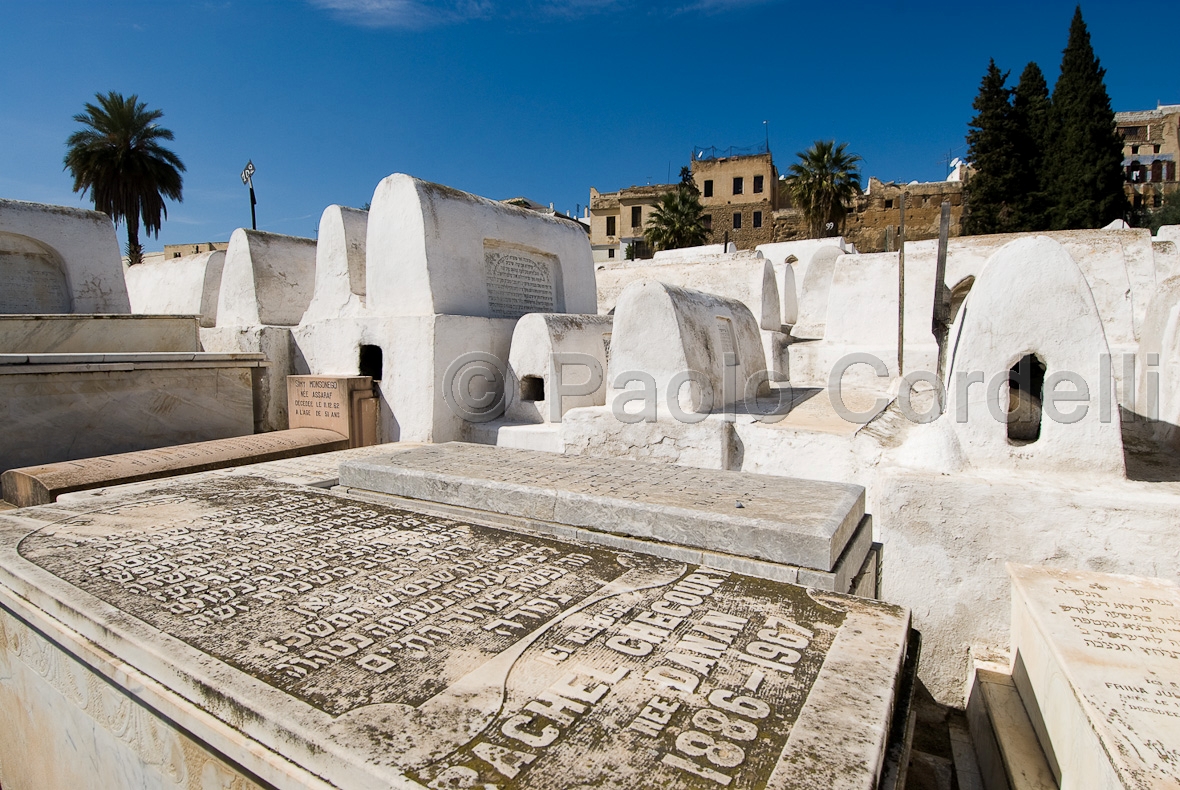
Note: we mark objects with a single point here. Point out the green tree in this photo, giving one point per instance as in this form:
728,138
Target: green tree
1085,174
1167,214
823,184
676,221
1032,114
993,191
687,181
118,158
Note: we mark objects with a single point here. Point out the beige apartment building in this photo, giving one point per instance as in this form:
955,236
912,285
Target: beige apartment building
740,194
617,220
738,191
1151,145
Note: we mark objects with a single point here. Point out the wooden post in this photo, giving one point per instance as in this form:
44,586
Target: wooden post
942,296
901,288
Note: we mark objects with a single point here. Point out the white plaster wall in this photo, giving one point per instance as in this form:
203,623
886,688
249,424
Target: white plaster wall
86,243
1052,314
788,293
188,285
339,265
1167,258
663,330
1158,395
268,279
947,538
687,253
862,300
1119,266
779,253
746,277
269,385
425,249
535,339
814,283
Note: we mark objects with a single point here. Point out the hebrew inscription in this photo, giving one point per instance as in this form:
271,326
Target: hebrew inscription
519,281
34,281
469,655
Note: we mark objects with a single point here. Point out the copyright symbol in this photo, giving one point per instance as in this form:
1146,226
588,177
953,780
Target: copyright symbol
473,387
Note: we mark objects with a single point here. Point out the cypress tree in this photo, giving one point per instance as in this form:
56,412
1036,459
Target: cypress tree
1032,112
1085,159
995,177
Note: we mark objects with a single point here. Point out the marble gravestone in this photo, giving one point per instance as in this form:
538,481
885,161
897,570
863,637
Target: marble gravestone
1096,659
259,632
783,520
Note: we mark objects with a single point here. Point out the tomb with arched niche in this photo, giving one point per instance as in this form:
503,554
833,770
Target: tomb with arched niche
34,277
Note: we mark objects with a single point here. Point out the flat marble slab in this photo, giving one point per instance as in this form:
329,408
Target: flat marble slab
785,520
299,633
40,485
1097,663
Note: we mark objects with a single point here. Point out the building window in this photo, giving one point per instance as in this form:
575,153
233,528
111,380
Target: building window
888,204
610,253
636,216
1157,148
757,184
1157,170
610,226
1169,171
1134,149
709,187
1157,200
737,220
737,185
757,219
707,221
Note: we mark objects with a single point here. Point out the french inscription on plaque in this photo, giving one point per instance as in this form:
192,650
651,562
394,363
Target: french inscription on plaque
519,281
319,402
34,281
467,655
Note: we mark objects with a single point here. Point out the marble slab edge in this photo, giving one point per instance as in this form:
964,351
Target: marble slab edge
758,538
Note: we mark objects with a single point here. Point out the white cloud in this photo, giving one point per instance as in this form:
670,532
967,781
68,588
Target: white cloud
417,14
406,13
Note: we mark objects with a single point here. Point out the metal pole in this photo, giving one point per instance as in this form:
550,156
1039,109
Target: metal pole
901,289
253,202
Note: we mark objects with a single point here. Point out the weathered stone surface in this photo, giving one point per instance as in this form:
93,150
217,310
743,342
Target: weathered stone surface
39,485
59,407
1096,658
301,634
58,259
98,334
188,285
796,522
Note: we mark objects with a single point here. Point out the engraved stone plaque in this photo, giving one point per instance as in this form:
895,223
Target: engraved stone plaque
328,402
33,277
520,281
397,645
1098,659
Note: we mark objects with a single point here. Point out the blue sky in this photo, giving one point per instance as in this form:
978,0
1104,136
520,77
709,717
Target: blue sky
542,99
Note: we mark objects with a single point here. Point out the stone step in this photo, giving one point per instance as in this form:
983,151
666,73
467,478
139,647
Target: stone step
1009,755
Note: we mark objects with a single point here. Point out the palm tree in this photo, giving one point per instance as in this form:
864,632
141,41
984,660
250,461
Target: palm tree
119,159
823,183
676,221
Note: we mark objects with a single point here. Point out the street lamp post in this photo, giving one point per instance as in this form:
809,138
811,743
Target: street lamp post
248,180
